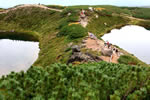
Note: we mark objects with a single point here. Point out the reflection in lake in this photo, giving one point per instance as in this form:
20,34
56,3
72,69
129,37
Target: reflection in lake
17,55
134,39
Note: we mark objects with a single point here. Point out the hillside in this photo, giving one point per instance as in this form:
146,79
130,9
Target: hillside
58,29
37,21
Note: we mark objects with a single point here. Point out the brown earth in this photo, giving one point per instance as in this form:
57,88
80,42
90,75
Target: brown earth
98,45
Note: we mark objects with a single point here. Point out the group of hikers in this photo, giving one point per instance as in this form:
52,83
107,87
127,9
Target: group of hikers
109,46
83,13
92,36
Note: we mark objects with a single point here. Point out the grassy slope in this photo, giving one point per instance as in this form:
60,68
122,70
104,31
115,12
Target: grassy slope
61,81
97,26
44,24
139,12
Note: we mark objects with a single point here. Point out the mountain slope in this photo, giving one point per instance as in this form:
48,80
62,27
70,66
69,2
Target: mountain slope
46,23
57,32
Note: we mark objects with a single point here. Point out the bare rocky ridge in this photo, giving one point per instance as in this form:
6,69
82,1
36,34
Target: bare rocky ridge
29,5
107,54
77,55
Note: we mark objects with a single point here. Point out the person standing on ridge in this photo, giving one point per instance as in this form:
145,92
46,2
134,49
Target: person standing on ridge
107,44
82,14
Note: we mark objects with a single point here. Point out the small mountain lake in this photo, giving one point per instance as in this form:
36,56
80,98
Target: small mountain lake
132,38
16,55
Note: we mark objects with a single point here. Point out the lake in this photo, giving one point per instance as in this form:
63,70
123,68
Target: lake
132,38
17,55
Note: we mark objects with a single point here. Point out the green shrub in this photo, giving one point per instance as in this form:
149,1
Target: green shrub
67,20
125,59
92,81
73,31
64,31
63,23
73,18
1,96
105,13
70,10
77,31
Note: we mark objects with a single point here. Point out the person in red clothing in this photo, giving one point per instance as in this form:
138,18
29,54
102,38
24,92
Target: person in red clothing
82,14
107,44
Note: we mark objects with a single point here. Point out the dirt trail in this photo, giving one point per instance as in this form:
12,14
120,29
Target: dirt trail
95,45
98,45
84,21
83,18
133,18
29,5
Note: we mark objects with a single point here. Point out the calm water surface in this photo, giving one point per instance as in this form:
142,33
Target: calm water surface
134,39
17,55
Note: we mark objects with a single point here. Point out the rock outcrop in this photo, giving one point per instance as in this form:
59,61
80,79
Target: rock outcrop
106,52
77,55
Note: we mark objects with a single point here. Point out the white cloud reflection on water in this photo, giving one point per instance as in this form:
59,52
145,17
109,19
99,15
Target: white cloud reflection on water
134,39
17,55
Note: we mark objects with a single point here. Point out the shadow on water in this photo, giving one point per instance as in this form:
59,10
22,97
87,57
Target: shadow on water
14,35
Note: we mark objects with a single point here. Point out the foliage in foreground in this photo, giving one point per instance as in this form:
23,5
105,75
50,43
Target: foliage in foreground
93,81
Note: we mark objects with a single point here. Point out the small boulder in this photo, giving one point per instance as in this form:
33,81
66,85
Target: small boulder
83,45
82,57
75,48
106,52
83,41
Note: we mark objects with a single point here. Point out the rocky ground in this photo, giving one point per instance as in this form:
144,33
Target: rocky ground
94,44
107,54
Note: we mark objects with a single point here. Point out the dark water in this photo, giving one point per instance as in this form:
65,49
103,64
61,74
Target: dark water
17,55
134,39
